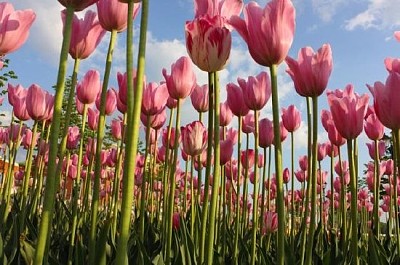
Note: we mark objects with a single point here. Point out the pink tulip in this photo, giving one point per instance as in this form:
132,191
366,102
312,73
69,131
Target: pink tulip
381,149
194,138
342,168
28,139
20,110
39,103
397,35
116,128
182,79
93,118
225,116
373,127
171,141
247,158
303,162
348,111
332,150
154,98
248,123
111,101
86,35
386,98
155,121
270,222
77,5
232,134
266,135
15,92
223,8
326,116
321,152
291,118
284,132
334,136
89,87
286,175
310,73
226,151
199,98
113,14
73,137
256,91
14,27
208,42
235,100
392,64
267,31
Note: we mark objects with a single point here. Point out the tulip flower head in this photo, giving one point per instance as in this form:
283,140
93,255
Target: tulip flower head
14,27
113,14
256,91
291,118
194,138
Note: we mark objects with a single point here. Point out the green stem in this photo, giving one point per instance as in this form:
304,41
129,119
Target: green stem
134,104
50,191
313,179
237,218
292,204
280,203
263,190
396,141
376,190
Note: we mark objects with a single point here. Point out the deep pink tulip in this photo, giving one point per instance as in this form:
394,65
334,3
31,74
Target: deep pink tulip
73,137
89,87
248,123
182,80
111,101
381,149
373,128
286,175
326,116
80,106
77,5
267,31
120,105
116,128
20,110
199,98
348,111
392,64
284,132
341,168
232,134
194,138
93,118
256,91
235,100
291,118
208,42
171,141
39,103
86,34
332,150
266,135
303,162
28,139
154,98
14,27
176,221
156,121
226,151
223,8
333,134
321,152
113,14
270,222
386,98
247,158
15,92
226,115
310,73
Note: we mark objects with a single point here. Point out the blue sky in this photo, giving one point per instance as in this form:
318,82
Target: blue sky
360,33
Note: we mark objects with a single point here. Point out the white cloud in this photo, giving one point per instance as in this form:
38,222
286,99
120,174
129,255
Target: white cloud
326,9
379,14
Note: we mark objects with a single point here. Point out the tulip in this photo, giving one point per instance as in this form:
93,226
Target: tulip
28,139
392,65
154,98
194,138
256,91
86,35
247,158
224,8
291,118
112,14
373,128
270,222
20,110
248,123
225,116
93,118
208,42
267,31
182,79
73,137
326,116
235,100
386,98
116,128
77,5
111,101
334,136
176,221
39,103
14,27
226,151
397,35
381,149
88,89
156,121
15,92
266,135
310,73
348,111
199,98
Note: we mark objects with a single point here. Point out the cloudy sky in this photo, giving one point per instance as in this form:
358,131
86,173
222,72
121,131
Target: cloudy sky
360,33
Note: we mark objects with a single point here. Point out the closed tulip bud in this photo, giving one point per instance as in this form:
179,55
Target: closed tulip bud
155,121
122,86
14,29
247,158
93,119
20,110
235,100
73,137
199,98
256,91
194,138
226,151
226,115
381,149
154,98
373,128
39,103
266,135
286,175
291,118
116,128
88,89
321,151
248,123
111,102
112,14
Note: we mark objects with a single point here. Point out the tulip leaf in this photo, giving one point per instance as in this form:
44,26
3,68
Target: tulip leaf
101,258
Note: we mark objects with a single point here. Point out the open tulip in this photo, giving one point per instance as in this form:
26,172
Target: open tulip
86,35
267,31
154,98
14,27
310,73
256,91
194,138
208,42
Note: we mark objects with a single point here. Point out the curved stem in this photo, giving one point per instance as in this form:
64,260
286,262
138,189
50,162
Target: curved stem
50,191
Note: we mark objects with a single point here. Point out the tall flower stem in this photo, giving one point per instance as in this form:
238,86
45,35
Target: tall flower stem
50,191
264,173
29,166
354,209
377,184
332,202
278,166
313,179
204,213
237,217
99,143
134,101
292,204
217,172
255,191
396,137
245,187
172,182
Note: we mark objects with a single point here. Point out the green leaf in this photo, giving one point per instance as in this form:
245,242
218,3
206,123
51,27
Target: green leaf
101,258
27,251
